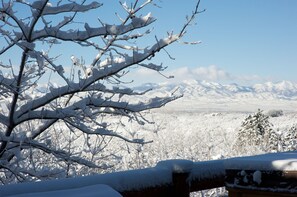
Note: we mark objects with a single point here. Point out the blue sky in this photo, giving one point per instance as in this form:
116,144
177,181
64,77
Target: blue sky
245,42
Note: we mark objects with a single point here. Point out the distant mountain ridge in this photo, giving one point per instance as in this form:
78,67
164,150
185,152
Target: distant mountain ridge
192,88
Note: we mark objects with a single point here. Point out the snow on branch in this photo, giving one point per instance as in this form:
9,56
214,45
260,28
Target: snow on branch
115,90
109,107
134,36
155,102
46,125
3,119
90,32
138,107
64,155
96,76
67,90
103,132
7,10
8,83
153,66
70,7
136,58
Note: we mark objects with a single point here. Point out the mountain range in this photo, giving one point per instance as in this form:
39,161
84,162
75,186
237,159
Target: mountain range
192,88
213,96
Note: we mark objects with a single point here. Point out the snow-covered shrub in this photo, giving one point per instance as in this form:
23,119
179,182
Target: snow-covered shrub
289,139
275,113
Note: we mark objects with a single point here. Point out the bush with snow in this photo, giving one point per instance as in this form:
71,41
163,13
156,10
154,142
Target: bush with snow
275,113
289,139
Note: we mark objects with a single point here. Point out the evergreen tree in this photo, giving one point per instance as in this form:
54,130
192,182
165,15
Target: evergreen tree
289,139
256,134
273,141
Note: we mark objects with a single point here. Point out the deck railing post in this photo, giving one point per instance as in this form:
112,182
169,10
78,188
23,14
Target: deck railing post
181,187
181,170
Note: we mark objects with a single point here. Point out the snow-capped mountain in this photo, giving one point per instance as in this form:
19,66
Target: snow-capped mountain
193,88
285,89
212,96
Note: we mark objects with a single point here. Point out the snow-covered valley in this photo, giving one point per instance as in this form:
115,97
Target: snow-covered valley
204,123
197,136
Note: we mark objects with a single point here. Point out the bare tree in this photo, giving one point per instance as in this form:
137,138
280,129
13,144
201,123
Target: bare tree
80,100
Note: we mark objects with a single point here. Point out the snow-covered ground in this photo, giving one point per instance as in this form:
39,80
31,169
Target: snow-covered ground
203,124
198,135
200,126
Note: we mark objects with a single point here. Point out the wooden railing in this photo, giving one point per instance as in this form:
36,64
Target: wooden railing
187,177
167,178
263,175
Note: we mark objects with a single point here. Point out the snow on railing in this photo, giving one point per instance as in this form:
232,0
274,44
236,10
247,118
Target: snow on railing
167,178
275,172
271,174
207,175
176,178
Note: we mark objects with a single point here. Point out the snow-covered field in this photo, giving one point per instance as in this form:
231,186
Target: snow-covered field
198,135
203,124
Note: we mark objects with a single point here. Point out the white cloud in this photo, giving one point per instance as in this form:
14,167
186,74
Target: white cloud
212,73
247,78
209,73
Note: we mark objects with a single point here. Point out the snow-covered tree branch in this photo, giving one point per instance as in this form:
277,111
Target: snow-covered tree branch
38,91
